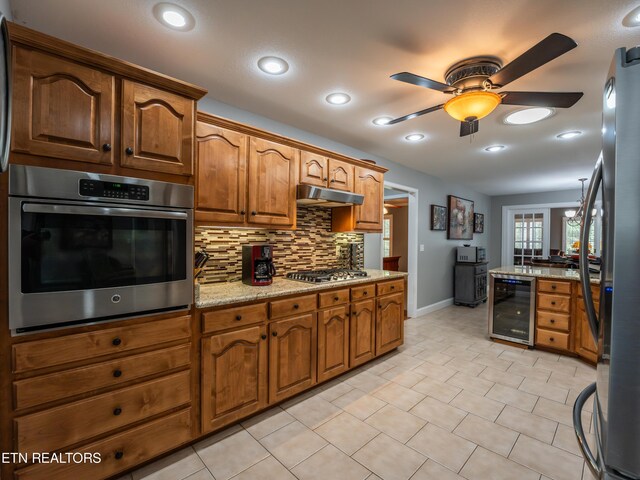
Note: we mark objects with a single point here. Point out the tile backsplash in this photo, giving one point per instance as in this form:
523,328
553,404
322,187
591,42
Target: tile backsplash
311,246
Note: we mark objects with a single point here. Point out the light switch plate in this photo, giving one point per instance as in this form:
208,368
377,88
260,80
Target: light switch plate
422,247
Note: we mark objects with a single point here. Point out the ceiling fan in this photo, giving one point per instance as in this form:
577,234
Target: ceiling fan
472,81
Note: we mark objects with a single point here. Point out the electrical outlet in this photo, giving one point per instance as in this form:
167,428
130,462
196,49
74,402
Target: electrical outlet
422,247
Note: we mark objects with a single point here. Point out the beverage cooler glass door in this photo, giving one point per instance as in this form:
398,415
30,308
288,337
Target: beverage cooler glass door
512,308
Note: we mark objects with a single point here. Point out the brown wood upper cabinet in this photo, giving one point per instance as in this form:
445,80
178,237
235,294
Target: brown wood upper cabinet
368,216
272,183
157,129
221,179
325,172
62,109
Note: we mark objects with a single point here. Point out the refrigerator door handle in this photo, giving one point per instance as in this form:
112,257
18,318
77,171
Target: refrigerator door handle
594,185
592,462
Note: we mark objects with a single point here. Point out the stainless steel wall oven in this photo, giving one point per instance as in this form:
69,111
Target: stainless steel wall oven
85,247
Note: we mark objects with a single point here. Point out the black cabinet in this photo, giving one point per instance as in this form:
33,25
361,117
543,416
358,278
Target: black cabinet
470,283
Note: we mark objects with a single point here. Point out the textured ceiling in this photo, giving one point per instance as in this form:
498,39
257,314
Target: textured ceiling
353,46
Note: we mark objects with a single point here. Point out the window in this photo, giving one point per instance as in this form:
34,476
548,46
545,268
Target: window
387,236
571,237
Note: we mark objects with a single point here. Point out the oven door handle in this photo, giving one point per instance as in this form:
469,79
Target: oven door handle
103,211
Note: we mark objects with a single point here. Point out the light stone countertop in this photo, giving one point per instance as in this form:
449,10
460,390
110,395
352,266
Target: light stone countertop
544,272
217,294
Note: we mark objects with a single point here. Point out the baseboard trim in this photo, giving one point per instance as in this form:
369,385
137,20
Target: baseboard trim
434,307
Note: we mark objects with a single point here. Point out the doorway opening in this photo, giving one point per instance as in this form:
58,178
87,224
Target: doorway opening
397,247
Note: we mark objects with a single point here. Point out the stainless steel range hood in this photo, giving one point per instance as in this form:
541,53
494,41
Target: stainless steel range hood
326,197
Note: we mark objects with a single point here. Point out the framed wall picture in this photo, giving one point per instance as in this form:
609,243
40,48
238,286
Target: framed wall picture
460,224
438,217
478,223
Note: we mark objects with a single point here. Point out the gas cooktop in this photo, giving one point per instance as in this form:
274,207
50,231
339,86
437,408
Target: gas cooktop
322,276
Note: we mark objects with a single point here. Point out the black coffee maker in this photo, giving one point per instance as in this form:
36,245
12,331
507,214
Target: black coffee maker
257,264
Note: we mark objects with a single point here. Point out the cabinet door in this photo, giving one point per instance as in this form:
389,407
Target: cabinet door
333,342
157,130
369,183
234,376
272,183
363,332
586,346
63,109
313,169
221,174
389,323
340,175
292,356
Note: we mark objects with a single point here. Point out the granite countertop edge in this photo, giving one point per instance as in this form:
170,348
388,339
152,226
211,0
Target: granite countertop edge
229,293
544,272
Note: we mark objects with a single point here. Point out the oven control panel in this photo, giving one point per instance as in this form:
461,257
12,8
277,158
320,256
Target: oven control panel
126,191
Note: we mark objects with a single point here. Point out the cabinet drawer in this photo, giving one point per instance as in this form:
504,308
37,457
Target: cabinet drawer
555,303
552,339
359,293
85,346
57,386
233,317
390,287
559,321
119,452
293,306
337,297
553,286
595,292
58,427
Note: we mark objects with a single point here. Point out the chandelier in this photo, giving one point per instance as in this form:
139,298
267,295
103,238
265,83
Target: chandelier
574,217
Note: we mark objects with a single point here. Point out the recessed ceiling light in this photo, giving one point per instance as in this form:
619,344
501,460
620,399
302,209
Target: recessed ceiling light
173,16
414,137
632,19
495,148
380,121
273,65
568,135
338,98
528,115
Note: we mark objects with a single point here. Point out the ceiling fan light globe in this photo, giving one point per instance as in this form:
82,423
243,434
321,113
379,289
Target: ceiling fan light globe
472,104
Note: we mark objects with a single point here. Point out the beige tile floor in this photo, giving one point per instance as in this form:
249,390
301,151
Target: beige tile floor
449,404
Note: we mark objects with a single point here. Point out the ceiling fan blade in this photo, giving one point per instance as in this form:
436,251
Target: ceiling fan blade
542,99
551,47
407,77
468,128
415,114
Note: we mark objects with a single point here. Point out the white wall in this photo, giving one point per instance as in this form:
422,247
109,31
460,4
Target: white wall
5,9
435,264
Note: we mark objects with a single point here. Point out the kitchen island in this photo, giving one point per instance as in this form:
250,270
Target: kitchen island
561,324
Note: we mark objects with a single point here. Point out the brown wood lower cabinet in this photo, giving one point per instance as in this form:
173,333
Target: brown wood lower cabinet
389,323
292,356
119,452
585,346
363,332
234,376
333,342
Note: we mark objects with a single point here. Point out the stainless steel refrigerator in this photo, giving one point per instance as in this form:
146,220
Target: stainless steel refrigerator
616,326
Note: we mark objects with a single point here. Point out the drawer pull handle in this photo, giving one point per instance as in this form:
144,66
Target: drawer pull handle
238,318
117,411
551,339
365,293
275,334
117,373
325,179
553,287
128,151
553,303
296,306
263,336
116,341
393,287
335,299
242,212
552,321
254,213
119,454
106,147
